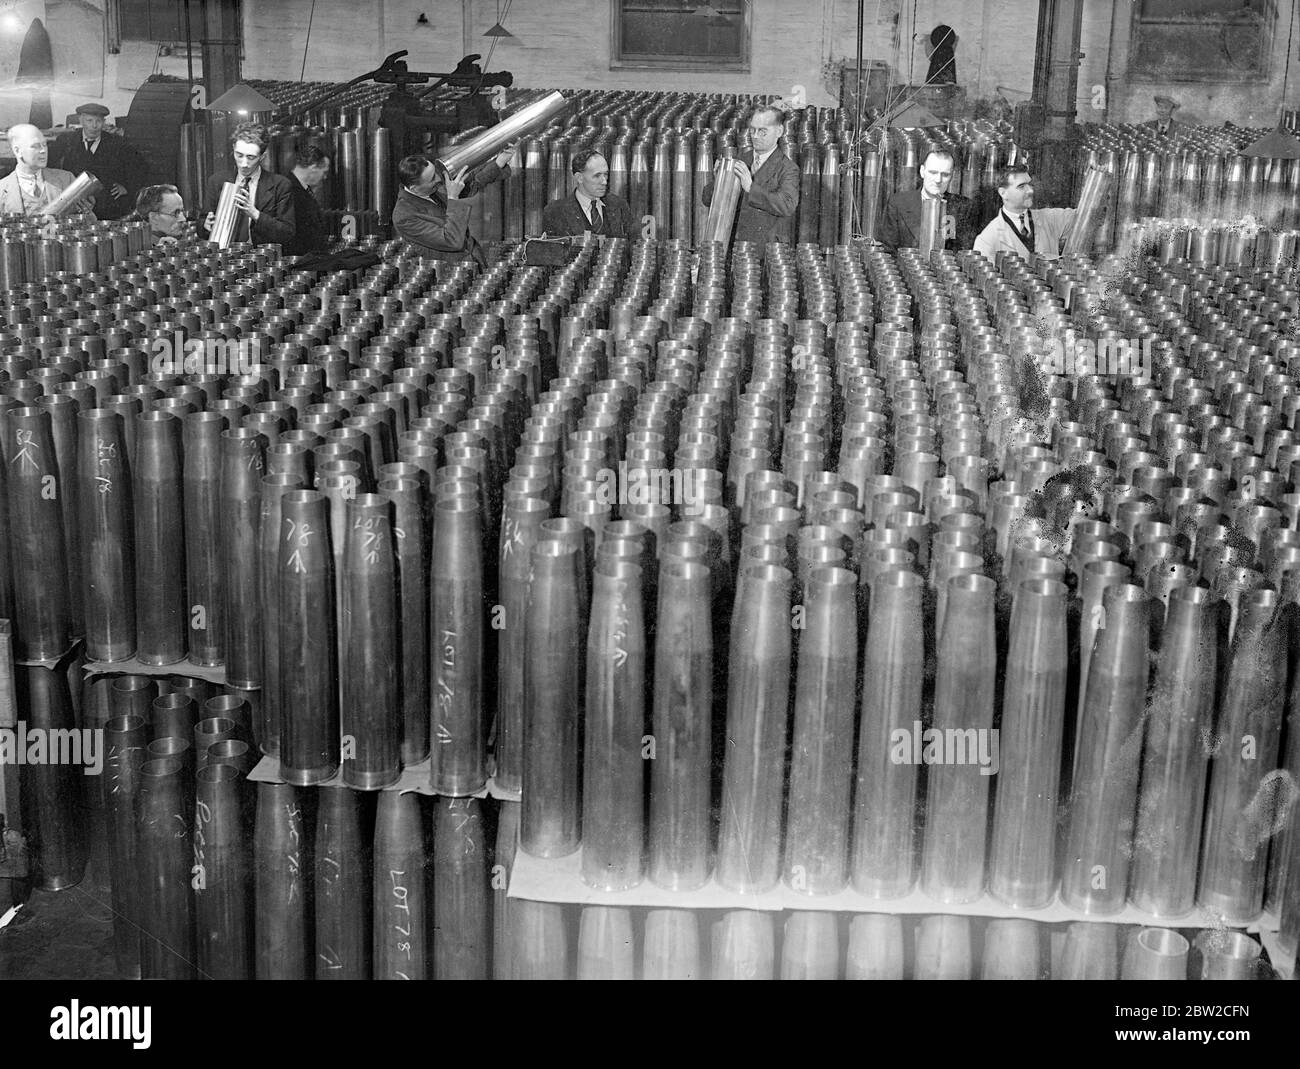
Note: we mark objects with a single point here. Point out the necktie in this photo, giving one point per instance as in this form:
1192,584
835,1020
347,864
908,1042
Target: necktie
597,218
1017,224
245,221
91,146
36,187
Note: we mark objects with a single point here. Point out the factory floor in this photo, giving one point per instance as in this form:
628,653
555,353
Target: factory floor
63,935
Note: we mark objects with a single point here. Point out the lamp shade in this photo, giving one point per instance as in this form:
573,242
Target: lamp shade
241,97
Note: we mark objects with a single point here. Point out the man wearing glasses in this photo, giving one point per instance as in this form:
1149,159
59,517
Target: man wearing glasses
769,181
164,210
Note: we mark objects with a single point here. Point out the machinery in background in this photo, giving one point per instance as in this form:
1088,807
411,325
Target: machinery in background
366,124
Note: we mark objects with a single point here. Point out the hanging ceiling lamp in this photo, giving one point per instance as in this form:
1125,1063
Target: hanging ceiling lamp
496,29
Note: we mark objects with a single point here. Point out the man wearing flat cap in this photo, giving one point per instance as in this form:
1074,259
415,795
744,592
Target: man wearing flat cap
109,157
1165,125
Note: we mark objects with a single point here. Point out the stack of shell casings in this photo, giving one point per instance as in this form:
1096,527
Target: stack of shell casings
1205,177
629,527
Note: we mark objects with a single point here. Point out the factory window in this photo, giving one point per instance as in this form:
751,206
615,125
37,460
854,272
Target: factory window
680,34
1202,40
152,20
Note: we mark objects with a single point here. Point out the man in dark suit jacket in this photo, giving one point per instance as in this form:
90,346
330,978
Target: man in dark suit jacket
590,206
110,158
900,224
310,166
769,181
264,200
432,210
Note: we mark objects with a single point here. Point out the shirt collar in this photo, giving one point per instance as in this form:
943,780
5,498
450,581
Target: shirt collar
759,160
422,196
586,201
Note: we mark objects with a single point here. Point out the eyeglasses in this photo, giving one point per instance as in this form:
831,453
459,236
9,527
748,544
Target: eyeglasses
176,214
755,130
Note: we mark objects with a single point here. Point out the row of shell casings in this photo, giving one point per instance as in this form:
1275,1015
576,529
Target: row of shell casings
1224,304
1161,880
1162,438
181,744
220,465
627,108
1203,440
129,301
554,829
1113,821
1220,137
65,841
155,272
372,596
528,939
1217,139
1250,380
1214,242
551,820
679,944
28,255
1262,431
118,382
286,95
261,850
527,522
1189,184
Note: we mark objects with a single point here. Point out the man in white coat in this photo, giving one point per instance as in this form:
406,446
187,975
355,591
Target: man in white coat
1019,227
